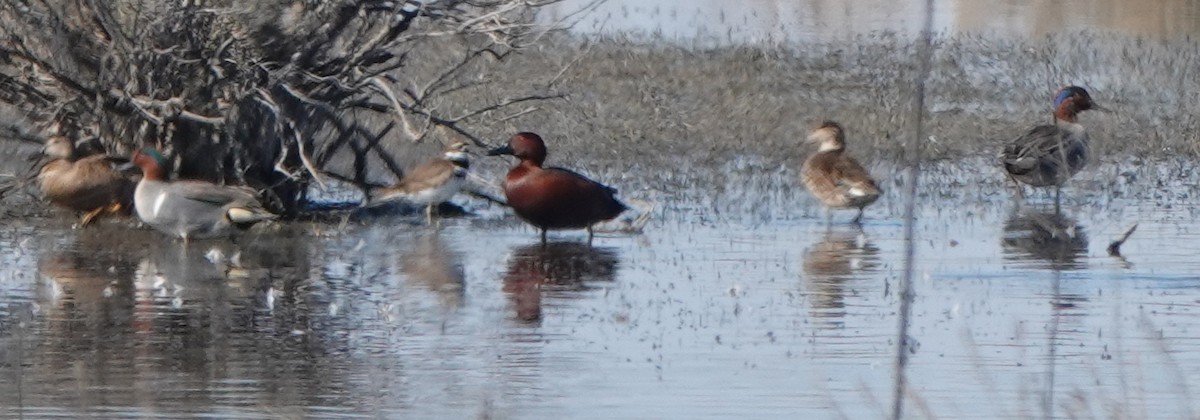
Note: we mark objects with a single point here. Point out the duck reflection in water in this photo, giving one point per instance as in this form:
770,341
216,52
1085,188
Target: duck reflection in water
86,321
219,281
430,263
91,288
147,315
554,267
116,301
1048,239
841,256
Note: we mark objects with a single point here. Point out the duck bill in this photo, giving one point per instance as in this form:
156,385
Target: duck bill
126,166
817,137
502,150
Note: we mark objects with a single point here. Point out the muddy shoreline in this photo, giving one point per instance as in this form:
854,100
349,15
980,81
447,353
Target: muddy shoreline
633,106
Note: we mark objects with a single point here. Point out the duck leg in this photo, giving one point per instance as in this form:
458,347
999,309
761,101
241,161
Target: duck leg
858,219
543,236
590,235
429,214
92,215
1017,186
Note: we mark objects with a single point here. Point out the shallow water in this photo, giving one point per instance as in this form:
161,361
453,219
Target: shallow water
724,308
738,300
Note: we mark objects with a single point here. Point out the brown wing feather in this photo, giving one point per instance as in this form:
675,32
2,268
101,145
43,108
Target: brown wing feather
831,175
428,175
84,185
851,173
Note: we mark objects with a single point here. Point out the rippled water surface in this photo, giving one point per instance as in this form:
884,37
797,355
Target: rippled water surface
739,300
721,309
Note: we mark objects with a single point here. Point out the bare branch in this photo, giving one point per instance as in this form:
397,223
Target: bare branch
399,108
308,165
518,114
253,91
383,156
172,108
22,52
505,103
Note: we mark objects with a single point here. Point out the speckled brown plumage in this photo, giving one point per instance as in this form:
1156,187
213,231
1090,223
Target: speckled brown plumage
90,184
834,178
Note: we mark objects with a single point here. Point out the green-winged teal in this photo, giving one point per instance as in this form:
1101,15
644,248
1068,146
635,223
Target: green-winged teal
1049,155
191,209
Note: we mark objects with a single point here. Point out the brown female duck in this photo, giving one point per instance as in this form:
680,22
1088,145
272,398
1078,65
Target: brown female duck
837,180
89,184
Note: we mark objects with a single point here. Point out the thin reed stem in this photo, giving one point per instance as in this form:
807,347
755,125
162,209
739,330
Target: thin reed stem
924,57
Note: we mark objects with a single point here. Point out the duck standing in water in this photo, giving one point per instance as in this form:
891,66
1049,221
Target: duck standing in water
837,180
191,209
432,183
553,198
91,185
1051,154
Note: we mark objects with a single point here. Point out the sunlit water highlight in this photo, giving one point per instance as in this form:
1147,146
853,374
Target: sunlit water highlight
723,313
738,301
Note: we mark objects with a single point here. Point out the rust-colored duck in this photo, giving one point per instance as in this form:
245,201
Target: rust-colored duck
553,198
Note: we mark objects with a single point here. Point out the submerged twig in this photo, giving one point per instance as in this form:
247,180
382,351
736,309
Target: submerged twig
1114,248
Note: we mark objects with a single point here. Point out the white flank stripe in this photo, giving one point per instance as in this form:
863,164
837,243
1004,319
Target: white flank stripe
158,203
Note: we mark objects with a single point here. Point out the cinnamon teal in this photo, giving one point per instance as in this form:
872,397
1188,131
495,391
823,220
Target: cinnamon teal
91,185
553,198
191,209
1049,155
431,183
834,178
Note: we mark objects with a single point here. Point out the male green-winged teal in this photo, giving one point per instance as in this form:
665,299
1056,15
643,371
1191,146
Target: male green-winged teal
553,198
837,180
431,183
88,184
1051,154
191,209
